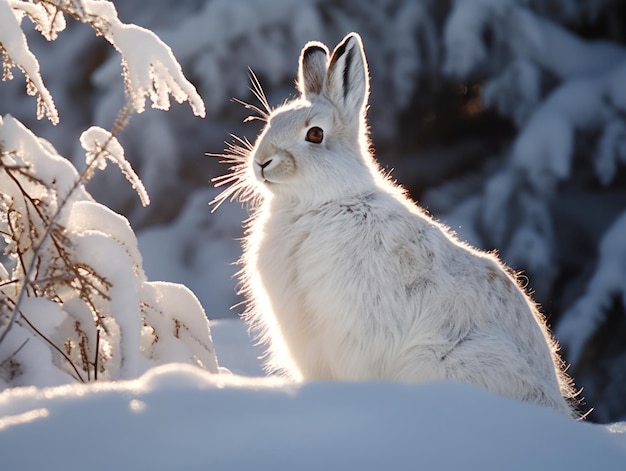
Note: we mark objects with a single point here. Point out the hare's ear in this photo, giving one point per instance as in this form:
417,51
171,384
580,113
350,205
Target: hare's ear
347,82
312,69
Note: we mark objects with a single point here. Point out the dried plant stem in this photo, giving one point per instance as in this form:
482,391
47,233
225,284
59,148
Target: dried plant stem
95,361
69,360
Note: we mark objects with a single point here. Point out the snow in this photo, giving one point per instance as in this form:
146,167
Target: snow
13,43
608,280
545,146
178,309
101,145
180,417
52,167
527,35
90,216
465,48
113,265
150,69
610,151
237,350
47,315
45,17
562,52
96,290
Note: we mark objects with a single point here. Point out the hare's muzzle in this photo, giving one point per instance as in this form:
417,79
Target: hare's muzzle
274,168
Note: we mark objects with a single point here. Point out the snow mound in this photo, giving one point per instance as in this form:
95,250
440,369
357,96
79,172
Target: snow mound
179,417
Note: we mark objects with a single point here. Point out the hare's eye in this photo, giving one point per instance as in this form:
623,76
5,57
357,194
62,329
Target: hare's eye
315,135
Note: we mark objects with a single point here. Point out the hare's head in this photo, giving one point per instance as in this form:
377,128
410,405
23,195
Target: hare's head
314,148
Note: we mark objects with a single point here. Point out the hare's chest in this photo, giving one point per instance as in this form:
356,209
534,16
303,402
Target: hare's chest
278,269
305,261
309,272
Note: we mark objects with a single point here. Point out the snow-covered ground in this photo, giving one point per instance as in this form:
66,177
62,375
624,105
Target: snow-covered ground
180,417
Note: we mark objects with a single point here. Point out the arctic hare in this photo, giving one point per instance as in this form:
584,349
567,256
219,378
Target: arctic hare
347,279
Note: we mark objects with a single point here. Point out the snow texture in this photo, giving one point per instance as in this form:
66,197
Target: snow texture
76,303
198,249
101,145
179,417
150,68
15,49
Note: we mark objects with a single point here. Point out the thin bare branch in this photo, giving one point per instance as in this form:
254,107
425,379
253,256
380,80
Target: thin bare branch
38,332
95,362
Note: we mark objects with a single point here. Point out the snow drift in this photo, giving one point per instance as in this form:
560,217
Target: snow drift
180,417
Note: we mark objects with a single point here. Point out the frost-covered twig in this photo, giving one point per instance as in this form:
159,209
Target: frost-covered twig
95,361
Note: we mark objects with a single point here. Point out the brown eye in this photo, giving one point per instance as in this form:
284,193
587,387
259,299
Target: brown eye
315,135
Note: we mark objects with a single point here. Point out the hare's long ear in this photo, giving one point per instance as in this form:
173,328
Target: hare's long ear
312,69
347,82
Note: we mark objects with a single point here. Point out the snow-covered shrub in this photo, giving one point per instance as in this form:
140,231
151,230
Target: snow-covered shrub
75,302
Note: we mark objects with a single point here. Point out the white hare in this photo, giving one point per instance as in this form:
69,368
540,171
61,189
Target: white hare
347,279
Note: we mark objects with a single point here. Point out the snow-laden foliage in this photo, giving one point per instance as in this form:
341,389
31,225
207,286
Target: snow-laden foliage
608,282
100,146
15,52
75,302
74,279
150,69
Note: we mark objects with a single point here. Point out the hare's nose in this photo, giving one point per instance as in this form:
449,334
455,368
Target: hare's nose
264,165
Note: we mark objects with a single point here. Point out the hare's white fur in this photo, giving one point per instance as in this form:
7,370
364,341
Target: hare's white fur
348,279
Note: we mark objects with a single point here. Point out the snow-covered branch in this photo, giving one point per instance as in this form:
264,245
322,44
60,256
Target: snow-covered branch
150,69
75,302
149,66
15,51
87,296
101,146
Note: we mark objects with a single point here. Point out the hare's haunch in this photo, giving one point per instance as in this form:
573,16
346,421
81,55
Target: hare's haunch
347,279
